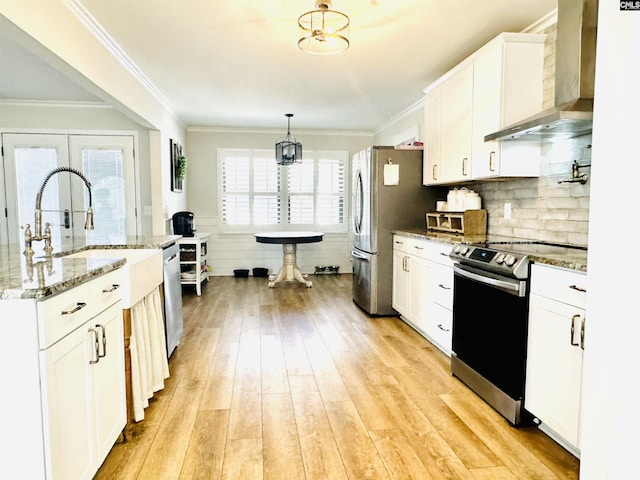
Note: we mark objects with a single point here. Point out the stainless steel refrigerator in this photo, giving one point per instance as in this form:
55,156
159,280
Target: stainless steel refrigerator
387,195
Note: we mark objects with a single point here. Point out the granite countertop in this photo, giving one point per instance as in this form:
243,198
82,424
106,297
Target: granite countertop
42,276
570,258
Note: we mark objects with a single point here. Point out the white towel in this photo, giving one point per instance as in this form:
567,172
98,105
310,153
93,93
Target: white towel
149,364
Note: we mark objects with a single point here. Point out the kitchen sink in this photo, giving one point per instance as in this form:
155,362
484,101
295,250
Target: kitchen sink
140,274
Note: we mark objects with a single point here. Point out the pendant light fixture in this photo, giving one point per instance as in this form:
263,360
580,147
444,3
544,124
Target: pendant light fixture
324,31
288,150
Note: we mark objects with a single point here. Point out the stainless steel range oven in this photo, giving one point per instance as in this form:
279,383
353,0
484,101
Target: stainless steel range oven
490,317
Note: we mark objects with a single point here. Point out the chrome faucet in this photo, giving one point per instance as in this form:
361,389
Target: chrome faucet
29,237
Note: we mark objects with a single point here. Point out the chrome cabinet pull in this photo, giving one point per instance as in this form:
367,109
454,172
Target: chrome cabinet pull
434,171
113,288
79,306
442,328
492,156
104,342
417,247
464,166
579,289
444,287
582,333
96,346
573,330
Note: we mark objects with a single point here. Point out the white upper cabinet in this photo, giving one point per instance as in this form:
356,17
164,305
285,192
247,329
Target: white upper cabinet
457,125
507,88
498,85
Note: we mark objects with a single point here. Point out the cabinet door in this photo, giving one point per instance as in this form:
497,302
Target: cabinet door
420,296
457,94
432,173
487,85
400,292
554,366
109,398
68,434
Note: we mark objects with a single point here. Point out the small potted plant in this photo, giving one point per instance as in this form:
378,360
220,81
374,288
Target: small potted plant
181,167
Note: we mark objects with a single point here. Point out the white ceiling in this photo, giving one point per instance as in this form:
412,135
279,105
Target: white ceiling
235,63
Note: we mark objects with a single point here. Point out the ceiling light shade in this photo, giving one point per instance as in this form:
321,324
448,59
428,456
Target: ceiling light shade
324,31
288,150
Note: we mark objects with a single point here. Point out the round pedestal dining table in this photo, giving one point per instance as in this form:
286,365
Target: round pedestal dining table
289,271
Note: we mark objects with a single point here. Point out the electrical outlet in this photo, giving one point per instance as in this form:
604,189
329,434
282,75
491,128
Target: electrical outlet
507,211
148,210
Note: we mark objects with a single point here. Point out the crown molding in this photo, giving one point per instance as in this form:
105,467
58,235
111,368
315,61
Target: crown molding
404,113
94,27
53,104
273,131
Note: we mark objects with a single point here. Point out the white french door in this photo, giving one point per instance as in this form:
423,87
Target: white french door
106,161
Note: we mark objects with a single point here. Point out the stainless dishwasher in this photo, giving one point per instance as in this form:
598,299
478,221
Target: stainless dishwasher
173,323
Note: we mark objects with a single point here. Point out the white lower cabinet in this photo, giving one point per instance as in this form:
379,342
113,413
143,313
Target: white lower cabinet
84,395
76,354
555,352
423,288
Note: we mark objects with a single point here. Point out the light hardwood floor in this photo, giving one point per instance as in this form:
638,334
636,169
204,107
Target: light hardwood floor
298,383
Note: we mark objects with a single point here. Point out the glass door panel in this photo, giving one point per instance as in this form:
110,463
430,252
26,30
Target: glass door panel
28,159
108,163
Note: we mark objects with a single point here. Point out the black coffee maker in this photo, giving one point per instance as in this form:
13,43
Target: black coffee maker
183,224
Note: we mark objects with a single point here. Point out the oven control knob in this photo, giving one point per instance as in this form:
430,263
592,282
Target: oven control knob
456,249
500,258
464,250
510,260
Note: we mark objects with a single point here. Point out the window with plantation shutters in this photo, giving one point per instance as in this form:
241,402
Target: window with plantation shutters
255,194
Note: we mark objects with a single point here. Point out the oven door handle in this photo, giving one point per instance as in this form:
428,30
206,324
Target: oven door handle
515,287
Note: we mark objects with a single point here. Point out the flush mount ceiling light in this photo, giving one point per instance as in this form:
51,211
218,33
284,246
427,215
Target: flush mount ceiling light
324,31
288,150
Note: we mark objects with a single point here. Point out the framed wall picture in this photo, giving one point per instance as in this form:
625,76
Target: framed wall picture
176,171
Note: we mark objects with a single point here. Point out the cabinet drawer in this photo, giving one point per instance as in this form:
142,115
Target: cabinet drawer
566,286
440,329
434,251
108,290
63,313
442,285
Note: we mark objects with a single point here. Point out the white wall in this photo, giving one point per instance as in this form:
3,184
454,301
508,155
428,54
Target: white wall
610,421
228,252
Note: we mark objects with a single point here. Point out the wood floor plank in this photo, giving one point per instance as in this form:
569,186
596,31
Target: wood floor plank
318,445
495,432
493,473
359,454
281,448
274,368
222,369
243,460
169,447
363,394
467,446
265,375
399,457
205,454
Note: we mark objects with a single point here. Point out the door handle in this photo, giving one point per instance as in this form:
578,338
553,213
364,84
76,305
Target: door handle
79,306
96,346
67,219
104,341
110,289
573,330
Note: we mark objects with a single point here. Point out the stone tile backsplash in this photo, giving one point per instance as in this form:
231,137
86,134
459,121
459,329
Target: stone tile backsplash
542,208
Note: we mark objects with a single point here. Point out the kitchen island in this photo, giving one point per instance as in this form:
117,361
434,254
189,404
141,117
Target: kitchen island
64,342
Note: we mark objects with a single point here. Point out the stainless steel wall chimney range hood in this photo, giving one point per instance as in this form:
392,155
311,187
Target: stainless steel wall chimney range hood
572,114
